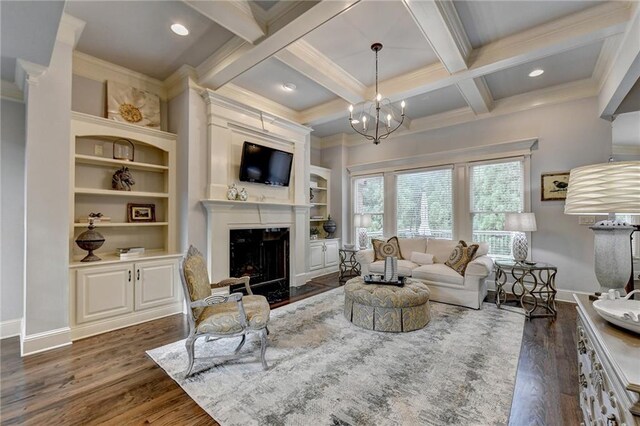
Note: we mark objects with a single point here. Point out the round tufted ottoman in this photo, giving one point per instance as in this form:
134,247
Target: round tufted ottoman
386,307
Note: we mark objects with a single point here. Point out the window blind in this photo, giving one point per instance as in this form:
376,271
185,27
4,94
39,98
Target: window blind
425,204
368,197
495,189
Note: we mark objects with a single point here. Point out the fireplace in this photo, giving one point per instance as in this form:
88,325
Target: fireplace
263,255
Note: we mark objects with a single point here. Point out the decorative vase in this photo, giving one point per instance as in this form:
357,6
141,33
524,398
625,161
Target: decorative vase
391,269
242,195
232,192
329,227
90,240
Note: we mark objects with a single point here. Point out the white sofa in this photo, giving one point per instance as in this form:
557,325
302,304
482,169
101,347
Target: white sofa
446,285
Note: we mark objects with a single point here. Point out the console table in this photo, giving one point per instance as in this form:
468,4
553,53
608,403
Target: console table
608,369
532,284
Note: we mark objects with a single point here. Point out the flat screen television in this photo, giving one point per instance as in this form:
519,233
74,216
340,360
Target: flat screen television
261,164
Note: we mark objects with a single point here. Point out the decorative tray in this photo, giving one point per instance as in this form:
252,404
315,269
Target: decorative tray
376,279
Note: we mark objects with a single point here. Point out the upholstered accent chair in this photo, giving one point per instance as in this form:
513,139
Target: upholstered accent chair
220,316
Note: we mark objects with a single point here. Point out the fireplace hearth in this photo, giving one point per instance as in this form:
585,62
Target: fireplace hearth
262,255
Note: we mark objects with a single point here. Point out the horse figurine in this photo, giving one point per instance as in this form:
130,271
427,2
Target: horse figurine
122,179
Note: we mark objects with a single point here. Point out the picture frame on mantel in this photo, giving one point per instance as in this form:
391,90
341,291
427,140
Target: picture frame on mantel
553,186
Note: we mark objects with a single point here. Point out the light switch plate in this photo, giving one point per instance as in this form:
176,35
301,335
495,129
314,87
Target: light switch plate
586,220
98,149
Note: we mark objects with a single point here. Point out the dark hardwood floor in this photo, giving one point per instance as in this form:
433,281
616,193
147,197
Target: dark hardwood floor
108,379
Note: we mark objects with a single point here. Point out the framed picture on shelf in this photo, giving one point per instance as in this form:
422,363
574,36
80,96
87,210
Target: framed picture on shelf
141,212
553,186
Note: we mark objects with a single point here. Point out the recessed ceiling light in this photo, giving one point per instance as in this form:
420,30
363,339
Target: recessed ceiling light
180,29
289,87
536,73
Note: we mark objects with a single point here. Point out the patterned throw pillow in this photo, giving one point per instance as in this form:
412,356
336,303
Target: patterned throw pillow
461,256
382,249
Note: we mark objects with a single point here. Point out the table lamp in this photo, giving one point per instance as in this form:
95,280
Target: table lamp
361,221
601,189
519,223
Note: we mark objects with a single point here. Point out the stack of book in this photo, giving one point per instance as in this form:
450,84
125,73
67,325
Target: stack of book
317,217
130,252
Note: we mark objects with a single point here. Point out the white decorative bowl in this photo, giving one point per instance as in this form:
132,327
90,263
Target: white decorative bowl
624,312
349,246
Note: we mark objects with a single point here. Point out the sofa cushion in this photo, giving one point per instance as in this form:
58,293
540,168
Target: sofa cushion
408,245
483,248
461,256
405,267
421,258
384,249
440,249
438,273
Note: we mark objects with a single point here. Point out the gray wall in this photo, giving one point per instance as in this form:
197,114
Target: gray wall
570,135
12,143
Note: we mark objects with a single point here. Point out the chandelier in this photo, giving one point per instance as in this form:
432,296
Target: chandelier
376,132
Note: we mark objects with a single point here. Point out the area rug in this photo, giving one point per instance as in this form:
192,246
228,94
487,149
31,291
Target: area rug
323,370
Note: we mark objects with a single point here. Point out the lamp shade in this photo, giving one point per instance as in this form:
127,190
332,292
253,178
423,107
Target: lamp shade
361,220
520,222
604,188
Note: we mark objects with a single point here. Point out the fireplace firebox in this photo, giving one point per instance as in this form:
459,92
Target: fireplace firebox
262,255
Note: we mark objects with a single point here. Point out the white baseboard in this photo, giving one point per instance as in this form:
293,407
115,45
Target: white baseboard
81,331
10,328
301,279
40,342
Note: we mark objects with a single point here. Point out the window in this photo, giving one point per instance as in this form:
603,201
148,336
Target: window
495,189
368,196
425,204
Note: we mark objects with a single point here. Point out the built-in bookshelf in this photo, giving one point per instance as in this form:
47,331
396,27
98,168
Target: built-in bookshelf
153,170
319,178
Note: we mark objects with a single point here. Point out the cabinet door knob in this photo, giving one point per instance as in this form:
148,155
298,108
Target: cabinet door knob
129,275
138,275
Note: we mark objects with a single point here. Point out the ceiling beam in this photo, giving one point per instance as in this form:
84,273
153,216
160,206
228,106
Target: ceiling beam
625,71
441,26
583,28
244,59
235,16
477,94
307,60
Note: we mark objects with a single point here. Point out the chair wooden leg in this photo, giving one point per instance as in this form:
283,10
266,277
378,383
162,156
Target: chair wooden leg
190,351
244,338
263,348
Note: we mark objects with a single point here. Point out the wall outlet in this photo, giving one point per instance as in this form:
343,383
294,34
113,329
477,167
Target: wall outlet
586,220
98,149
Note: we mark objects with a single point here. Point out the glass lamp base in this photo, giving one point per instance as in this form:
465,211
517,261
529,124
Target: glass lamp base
520,247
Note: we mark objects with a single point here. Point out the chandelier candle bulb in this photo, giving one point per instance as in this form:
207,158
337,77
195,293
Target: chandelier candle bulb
388,120
350,112
402,105
379,97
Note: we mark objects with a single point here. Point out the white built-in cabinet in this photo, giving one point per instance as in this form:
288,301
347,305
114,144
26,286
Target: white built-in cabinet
323,256
114,292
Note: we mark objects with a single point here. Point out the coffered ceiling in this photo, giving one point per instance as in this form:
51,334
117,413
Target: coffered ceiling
445,58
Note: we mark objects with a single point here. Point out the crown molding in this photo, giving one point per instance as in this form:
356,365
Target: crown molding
477,153
70,30
233,98
605,59
182,79
11,92
221,58
100,70
28,73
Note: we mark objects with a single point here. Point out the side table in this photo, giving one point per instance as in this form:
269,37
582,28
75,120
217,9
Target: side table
349,266
533,286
